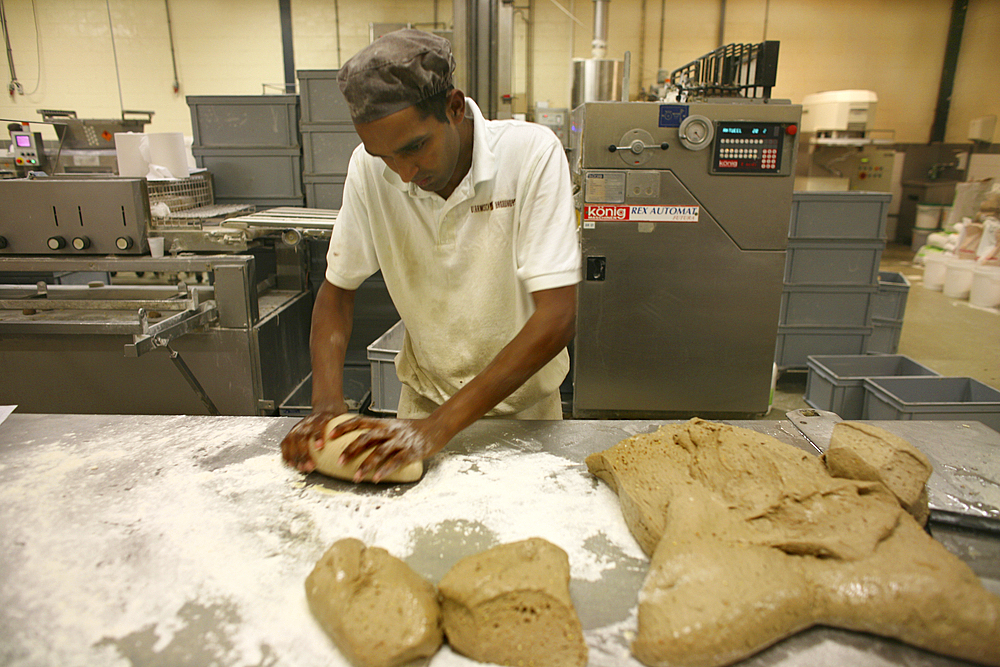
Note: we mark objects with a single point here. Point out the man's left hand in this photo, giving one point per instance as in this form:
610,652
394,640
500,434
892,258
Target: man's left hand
390,444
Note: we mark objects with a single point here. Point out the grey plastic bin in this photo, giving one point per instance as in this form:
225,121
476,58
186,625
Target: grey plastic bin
796,344
267,173
837,383
324,191
825,306
890,300
322,101
244,121
839,215
932,398
327,151
885,336
386,386
815,262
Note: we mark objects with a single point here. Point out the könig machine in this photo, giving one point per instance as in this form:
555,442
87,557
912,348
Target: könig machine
684,207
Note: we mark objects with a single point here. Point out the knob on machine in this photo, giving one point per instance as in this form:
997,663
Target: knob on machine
56,243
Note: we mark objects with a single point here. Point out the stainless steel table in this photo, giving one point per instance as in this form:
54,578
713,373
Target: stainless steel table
164,540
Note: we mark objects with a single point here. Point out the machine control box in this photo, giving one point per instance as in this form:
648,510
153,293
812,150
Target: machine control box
748,148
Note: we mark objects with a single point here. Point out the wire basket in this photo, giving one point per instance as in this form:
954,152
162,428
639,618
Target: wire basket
734,70
183,194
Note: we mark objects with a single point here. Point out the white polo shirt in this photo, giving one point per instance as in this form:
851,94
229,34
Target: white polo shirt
461,271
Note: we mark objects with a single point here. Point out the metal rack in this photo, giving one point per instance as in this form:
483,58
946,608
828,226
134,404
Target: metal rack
734,70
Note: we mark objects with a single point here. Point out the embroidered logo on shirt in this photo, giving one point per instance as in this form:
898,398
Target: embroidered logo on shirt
503,203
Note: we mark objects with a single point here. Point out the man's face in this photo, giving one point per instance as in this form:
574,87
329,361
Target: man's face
422,150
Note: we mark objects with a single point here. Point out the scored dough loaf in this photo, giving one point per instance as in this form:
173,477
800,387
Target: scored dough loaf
510,605
326,458
378,611
865,452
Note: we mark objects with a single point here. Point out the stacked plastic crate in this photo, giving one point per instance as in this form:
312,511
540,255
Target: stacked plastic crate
328,137
835,245
250,144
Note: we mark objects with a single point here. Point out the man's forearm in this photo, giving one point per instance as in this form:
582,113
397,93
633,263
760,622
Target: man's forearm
546,332
330,331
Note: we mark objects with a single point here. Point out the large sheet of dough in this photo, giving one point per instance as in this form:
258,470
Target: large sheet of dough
753,540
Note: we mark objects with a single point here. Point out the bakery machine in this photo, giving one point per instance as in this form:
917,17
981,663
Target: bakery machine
684,210
91,322
87,145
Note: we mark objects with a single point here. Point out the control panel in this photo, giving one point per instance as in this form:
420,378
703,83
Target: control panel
750,147
28,149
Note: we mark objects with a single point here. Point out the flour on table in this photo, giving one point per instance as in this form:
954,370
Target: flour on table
150,545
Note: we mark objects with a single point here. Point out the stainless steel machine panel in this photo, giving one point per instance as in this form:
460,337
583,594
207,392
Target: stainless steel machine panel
68,216
684,211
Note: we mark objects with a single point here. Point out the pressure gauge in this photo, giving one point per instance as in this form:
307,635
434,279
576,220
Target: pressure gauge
696,132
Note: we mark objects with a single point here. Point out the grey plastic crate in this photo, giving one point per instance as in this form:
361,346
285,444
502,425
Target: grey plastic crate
327,151
386,386
796,344
885,336
324,191
932,398
274,174
837,383
843,263
322,101
245,121
826,306
839,215
890,300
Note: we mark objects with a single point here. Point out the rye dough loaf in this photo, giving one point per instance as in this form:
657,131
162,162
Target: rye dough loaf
326,458
753,540
378,611
510,605
865,452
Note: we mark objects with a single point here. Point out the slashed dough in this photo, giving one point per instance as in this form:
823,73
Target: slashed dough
510,605
753,540
326,458
378,611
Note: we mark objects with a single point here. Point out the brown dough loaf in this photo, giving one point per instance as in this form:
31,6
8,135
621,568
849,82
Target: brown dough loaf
865,452
378,611
754,541
327,457
510,605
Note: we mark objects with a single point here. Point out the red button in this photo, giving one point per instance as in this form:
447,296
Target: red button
791,130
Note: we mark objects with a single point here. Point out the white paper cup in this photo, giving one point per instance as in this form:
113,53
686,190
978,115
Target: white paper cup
155,246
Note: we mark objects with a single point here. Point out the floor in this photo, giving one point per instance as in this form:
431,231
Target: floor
947,335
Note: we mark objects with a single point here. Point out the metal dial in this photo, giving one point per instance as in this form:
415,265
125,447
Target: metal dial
696,132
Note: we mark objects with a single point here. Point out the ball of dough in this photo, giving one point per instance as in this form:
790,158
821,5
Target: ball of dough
377,610
510,605
327,457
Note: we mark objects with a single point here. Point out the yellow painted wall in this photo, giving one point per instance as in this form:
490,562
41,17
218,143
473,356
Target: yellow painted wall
894,47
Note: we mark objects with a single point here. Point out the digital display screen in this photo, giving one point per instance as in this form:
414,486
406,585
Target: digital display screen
748,148
22,140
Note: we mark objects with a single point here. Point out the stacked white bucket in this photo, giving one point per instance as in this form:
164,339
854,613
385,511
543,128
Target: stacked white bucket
963,279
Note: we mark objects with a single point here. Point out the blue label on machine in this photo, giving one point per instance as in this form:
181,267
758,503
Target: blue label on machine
671,115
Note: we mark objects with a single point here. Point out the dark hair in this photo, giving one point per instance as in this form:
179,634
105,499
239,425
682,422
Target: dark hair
436,105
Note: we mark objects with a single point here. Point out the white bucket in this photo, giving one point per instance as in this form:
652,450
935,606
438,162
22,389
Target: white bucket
928,216
958,277
985,290
935,265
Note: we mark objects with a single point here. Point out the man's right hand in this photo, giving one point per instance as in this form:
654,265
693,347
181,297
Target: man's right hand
295,445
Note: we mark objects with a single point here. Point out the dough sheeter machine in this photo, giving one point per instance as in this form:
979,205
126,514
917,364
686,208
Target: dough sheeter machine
90,322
